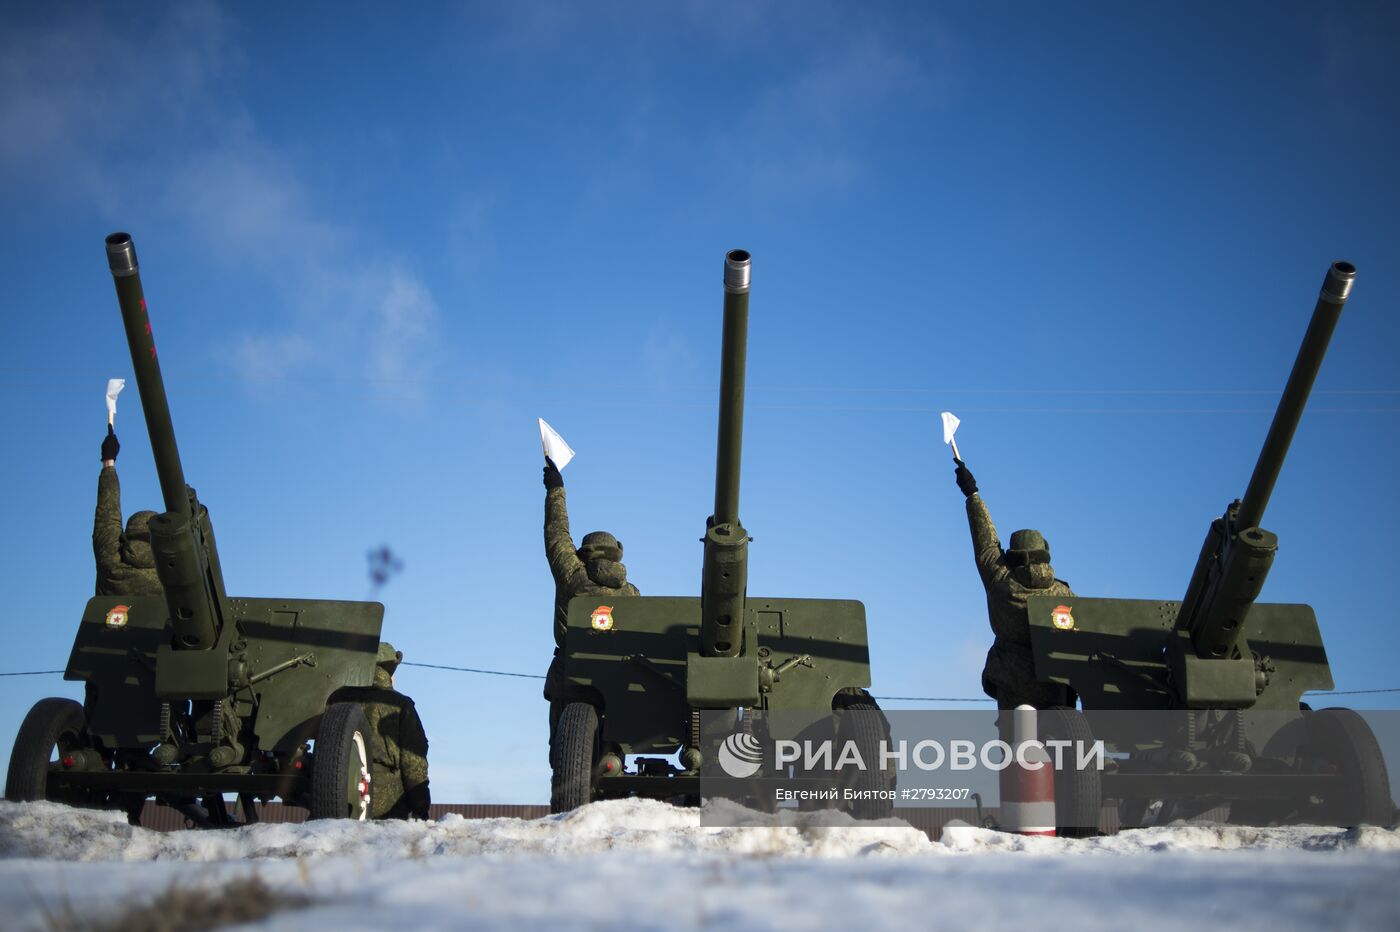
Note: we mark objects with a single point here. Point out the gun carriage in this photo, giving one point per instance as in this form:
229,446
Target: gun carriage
1199,701
640,671
195,694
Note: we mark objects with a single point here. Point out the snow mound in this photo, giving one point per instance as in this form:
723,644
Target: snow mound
1177,838
644,865
47,831
51,831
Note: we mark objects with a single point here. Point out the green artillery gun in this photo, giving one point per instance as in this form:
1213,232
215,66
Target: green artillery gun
639,670
196,694
1202,698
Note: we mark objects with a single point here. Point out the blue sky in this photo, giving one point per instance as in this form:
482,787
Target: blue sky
376,246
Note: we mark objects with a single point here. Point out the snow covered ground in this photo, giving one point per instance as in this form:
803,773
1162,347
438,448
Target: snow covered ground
643,864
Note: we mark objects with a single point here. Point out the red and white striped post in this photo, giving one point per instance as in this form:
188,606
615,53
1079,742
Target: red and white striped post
1028,782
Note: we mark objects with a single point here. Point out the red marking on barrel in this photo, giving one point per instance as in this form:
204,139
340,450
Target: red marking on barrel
143,303
148,328
153,351
69,761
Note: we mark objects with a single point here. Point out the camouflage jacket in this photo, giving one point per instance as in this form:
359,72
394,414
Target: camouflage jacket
123,567
570,574
1006,597
398,751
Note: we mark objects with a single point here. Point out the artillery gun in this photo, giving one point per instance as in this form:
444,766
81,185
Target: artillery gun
639,670
1202,699
195,694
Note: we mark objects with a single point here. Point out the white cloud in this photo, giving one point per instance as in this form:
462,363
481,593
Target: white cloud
261,205
669,361
266,360
821,73
407,318
347,310
807,131
122,112
83,102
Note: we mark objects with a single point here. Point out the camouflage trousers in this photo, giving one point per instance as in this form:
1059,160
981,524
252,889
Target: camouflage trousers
1009,678
554,692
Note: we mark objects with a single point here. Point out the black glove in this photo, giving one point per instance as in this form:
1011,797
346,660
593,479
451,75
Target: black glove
418,800
552,477
110,447
966,483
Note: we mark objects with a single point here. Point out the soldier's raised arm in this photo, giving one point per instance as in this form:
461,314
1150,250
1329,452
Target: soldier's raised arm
559,548
107,518
986,546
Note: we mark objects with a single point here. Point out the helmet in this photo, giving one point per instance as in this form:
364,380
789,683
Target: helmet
388,658
138,526
600,545
1027,547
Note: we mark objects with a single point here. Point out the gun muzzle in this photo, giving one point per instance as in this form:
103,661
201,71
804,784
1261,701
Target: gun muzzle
121,255
736,271
1337,285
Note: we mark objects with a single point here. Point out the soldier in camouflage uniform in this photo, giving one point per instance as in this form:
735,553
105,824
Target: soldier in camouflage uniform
125,564
398,745
595,567
1009,576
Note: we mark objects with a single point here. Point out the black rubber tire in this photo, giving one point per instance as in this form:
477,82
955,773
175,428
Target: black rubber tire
50,723
1078,793
867,728
340,762
574,753
1340,739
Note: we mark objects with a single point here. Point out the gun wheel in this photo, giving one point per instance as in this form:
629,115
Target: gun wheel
860,720
1342,743
340,779
52,729
574,751
1078,792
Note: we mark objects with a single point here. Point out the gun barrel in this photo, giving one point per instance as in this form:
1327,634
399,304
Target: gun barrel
187,559
1336,288
726,571
1237,554
731,386
126,274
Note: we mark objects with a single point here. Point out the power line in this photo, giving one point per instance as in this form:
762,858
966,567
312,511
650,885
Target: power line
1311,692
933,699
439,666
537,676
406,663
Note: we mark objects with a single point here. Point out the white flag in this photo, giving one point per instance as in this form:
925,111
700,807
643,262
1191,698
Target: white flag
950,427
114,388
554,446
